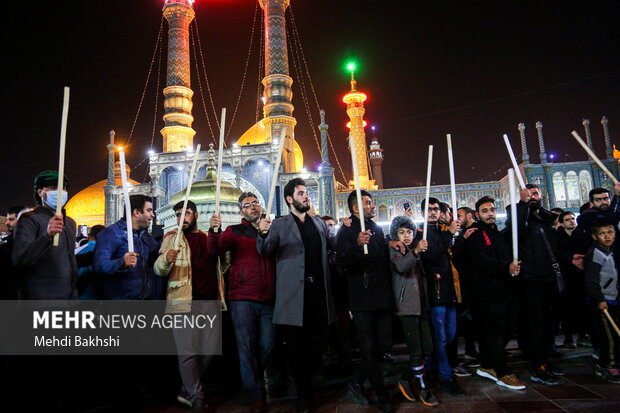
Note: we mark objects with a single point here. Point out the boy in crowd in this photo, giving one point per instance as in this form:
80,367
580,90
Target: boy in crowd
601,285
411,307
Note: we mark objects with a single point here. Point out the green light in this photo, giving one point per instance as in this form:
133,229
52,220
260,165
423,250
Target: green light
351,66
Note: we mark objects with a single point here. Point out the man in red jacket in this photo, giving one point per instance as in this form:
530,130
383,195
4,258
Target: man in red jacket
251,295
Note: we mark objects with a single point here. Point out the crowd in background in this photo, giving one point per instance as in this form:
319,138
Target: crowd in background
305,289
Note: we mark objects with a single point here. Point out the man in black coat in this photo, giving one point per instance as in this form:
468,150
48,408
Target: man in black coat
443,294
369,295
491,266
538,254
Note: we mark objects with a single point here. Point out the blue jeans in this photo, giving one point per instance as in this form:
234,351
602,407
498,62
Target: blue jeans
255,334
443,325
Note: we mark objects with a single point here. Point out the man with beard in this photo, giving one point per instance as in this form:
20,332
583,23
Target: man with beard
192,279
9,282
369,290
538,253
602,209
443,291
304,306
491,266
466,217
251,294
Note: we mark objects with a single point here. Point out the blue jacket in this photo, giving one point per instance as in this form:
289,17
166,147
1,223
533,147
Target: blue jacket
113,282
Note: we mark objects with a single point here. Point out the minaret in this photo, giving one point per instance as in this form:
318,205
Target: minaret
608,147
327,193
178,133
110,187
376,160
355,110
586,128
277,93
541,142
524,154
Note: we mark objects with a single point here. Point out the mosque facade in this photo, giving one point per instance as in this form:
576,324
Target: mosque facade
248,165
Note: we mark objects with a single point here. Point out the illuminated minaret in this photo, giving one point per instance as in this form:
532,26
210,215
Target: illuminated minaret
355,110
178,133
277,93
376,161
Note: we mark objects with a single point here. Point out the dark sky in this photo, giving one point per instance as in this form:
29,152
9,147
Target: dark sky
473,69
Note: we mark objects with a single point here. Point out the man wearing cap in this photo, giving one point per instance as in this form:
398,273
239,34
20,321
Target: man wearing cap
48,272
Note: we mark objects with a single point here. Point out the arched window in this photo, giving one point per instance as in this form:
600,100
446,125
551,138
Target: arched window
559,189
383,213
572,189
585,185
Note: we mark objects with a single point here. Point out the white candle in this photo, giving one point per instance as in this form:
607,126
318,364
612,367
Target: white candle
429,170
358,190
276,171
190,180
594,157
61,157
452,180
219,163
128,211
515,165
513,212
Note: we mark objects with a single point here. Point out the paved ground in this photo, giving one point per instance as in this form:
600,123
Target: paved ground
583,392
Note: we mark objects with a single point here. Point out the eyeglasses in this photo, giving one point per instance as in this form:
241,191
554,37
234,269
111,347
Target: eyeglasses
433,209
250,204
187,213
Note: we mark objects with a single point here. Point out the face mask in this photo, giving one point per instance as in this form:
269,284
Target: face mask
52,198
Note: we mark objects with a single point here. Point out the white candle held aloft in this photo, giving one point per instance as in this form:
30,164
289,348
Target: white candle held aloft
358,190
128,211
190,181
429,170
61,157
513,160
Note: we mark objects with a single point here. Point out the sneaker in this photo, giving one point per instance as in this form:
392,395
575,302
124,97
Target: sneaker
553,369
487,373
451,387
356,395
427,398
511,381
460,371
183,398
612,375
541,375
406,389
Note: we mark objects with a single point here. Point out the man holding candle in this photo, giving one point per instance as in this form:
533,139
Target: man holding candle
369,294
47,272
192,287
251,293
127,275
443,294
538,278
304,307
491,266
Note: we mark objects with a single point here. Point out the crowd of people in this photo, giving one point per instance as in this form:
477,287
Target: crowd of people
307,284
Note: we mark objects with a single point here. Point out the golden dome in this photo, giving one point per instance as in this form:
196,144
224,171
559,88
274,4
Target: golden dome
87,207
257,134
205,190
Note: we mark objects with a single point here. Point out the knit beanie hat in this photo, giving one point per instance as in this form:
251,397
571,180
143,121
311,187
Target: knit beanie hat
46,178
401,221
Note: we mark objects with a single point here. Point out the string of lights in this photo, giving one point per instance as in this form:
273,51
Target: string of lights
245,72
204,70
202,97
148,77
155,111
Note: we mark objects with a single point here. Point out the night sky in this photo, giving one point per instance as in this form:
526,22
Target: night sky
472,69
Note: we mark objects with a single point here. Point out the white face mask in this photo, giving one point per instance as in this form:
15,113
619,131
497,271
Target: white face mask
51,198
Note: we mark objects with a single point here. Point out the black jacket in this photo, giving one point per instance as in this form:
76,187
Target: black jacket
536,262
437,267
368,276
488,257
